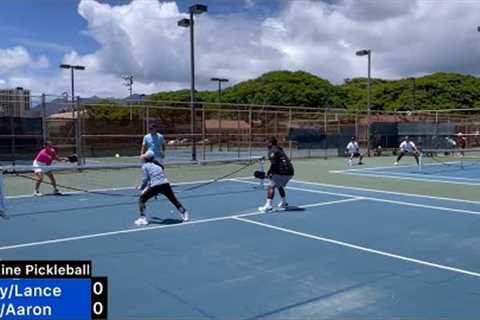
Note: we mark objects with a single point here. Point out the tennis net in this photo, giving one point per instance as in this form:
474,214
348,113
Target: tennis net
449,158
119,179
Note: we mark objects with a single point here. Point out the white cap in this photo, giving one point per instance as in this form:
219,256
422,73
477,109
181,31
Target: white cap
149,155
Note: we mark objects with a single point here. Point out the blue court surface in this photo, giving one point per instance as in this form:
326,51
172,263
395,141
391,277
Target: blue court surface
339,253
453,173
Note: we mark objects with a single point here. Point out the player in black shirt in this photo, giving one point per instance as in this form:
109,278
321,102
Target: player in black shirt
280,172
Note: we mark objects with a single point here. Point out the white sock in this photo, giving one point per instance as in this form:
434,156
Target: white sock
284,200
269,202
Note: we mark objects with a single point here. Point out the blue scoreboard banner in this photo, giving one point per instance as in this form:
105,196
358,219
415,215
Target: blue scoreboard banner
51,290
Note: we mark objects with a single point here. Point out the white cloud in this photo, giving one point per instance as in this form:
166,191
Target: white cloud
407,38
13,59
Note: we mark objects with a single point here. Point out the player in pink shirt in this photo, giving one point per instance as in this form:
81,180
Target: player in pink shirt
43,159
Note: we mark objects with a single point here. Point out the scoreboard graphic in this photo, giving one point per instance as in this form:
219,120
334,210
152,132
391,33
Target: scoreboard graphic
47,290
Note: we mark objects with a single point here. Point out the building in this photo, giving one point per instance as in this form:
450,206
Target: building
14,102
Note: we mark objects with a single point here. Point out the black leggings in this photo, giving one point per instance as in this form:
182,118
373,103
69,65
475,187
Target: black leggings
164,189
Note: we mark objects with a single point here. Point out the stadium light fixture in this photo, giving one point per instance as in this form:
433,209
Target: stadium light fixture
220,80
188,23
72,76
184,23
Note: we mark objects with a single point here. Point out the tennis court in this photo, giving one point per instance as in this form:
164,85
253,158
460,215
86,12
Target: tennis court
341,252
438,166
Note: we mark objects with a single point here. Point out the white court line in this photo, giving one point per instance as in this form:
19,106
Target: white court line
357,247
128,188
384,192
426,175
150,228
404,203
392,176
369,169
419,175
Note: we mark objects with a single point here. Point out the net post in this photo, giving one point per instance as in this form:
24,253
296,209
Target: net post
420,161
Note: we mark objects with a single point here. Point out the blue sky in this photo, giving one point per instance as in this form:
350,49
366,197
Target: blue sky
53,27
237,39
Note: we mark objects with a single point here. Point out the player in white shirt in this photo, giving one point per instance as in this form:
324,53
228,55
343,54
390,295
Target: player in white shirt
408,147
353,150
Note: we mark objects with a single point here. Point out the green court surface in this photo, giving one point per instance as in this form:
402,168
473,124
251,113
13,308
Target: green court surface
313,170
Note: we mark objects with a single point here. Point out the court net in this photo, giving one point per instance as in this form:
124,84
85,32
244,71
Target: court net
121,179
446,159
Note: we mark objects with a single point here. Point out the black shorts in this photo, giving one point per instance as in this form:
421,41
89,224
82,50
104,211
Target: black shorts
164,189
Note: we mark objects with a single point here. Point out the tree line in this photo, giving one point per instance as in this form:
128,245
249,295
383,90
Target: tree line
299,88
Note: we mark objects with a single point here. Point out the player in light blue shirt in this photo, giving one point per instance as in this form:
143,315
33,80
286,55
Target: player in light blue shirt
155,143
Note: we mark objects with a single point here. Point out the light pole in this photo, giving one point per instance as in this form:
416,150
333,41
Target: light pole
220,80
72,76
77,119
368,53
128,83
413,90
188,23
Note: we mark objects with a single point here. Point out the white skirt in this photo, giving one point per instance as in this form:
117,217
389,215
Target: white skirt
40,167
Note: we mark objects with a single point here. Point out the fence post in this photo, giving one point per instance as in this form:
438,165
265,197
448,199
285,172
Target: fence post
12,133
203,132
288,129
147,120
44,119
250,131
325,129
78,144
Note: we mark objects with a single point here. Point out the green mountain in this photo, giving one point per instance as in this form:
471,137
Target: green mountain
299,88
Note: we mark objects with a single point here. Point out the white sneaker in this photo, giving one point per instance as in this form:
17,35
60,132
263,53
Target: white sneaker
184,216
349,163
265,208
395,163
283,204
37,193
57,192
142,221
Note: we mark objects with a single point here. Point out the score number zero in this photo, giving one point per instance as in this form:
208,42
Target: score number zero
99,294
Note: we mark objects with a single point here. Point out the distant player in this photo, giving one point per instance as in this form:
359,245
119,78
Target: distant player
353,150
451,143
408,147
154,141
462,143
43,160
280,172
154,182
